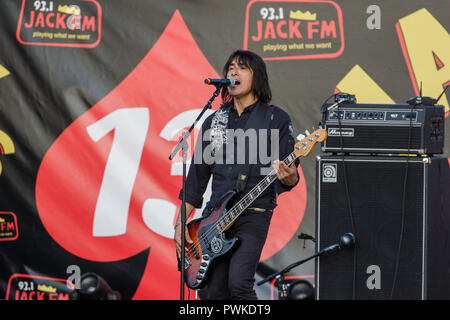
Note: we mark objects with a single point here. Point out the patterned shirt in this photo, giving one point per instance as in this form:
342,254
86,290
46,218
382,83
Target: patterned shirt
215,155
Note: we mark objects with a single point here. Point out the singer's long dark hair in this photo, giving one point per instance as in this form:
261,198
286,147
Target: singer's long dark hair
260,85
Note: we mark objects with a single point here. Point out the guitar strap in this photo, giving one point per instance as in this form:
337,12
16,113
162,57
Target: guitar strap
259,119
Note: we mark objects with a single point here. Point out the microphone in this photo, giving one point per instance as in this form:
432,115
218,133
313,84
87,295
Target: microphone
347,240
221,82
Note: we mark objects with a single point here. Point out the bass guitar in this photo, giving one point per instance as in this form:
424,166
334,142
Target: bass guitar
208,233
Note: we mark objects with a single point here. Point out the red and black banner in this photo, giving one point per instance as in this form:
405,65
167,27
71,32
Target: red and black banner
94,95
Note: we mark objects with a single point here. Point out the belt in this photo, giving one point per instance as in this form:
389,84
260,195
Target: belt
260,209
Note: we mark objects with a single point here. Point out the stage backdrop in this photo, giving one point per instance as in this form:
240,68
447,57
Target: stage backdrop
94,95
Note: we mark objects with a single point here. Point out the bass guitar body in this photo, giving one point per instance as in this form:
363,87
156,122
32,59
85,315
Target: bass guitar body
207,233
209,243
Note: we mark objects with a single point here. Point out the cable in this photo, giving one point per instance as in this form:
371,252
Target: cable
347,195
402,224
322,109
347,192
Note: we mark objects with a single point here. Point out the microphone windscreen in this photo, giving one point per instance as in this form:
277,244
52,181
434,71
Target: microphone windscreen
347,240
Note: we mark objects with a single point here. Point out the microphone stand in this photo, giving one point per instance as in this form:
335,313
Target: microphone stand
279,276
183,145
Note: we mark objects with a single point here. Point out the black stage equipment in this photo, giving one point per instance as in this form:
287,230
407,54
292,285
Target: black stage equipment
94,287
399,208
384,128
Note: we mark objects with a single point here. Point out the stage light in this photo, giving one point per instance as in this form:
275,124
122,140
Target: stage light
300,290
94,287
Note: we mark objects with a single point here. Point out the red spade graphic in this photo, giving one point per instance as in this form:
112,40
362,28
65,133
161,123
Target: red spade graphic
106,190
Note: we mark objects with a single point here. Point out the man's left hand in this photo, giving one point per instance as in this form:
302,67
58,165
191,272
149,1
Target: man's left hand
286,174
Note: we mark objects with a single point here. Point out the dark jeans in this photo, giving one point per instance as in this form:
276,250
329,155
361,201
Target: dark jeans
233,275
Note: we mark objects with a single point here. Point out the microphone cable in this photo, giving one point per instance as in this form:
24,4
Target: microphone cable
347,195
402,223
347,192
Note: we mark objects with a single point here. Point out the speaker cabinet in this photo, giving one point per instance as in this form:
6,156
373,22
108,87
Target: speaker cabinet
401,227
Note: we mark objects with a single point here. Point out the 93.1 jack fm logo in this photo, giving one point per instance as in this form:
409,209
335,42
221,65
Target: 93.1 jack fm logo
72,23
279,30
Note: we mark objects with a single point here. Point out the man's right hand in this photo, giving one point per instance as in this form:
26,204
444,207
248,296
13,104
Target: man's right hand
177,238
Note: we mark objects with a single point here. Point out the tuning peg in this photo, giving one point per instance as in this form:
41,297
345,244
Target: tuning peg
307,132
301,137
320,125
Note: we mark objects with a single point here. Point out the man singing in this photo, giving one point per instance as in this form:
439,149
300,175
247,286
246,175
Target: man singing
232,275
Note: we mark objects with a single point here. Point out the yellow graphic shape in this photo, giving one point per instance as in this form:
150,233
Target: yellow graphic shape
6,146
424,38
366,90
45,288
73,10
299,15
3,72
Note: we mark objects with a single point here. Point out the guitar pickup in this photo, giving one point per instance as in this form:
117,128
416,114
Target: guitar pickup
187,263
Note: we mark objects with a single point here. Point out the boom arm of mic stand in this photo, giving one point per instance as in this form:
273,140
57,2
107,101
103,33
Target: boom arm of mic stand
295,264
187,133
182,144
287,269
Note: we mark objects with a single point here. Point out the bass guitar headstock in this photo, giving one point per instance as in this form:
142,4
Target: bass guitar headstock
308,142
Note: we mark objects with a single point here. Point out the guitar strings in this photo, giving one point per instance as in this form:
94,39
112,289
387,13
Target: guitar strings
228,214
272,177
287,161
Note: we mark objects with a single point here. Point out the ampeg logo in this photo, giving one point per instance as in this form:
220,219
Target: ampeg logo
329,172
337,132
294,29
28,287
8,226
69,23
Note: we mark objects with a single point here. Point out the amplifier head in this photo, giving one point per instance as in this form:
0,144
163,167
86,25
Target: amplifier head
383,128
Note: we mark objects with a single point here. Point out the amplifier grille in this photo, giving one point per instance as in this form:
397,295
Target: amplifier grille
375,137
376,198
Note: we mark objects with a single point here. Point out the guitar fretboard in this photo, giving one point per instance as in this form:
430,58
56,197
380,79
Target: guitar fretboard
224,222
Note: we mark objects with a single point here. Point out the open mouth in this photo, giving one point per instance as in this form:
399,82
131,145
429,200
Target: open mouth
234,83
